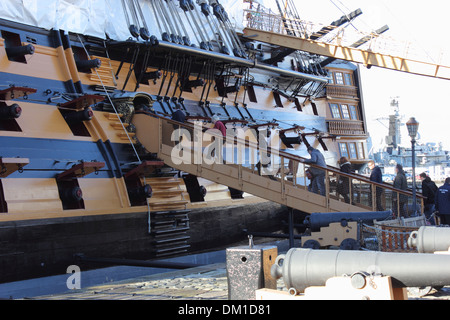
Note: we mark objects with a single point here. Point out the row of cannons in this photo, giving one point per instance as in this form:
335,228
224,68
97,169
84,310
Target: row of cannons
343,274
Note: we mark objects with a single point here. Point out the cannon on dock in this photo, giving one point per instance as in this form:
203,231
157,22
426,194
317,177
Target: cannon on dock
340,229
430,239
361,274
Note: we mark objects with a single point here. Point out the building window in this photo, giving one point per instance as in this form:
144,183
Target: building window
335,111
345,112
339,78
343,149
352,147
352,150
348,79
354,113
361,154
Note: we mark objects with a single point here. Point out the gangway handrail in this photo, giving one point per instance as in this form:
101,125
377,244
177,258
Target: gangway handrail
282,155
292,157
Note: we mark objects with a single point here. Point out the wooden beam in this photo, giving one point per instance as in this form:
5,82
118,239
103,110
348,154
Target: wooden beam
80,170
16,93
356,55
10,165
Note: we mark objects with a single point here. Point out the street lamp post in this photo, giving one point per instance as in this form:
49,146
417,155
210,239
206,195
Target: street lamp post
413,127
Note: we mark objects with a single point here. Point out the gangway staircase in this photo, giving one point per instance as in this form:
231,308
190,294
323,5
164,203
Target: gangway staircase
155,134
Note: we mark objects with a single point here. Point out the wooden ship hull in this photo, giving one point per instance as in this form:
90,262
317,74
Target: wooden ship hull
74,176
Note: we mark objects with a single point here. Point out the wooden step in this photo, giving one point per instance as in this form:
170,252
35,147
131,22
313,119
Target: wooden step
124,136
171,204
164,184
103,59
105,78
167,193
102,72
119,125
173,212
112,116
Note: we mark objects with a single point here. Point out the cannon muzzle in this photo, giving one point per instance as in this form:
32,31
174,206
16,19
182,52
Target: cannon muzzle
20,51
89,64
10,112
302,268
78,116
315,221
430,239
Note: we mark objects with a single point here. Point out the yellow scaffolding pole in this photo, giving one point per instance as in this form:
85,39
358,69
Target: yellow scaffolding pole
367,58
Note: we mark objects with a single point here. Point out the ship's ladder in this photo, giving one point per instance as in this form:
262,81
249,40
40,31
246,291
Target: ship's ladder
286,183
104,75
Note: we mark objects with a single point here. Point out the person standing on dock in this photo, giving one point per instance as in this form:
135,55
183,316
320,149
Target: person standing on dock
443,202
318,182
429,189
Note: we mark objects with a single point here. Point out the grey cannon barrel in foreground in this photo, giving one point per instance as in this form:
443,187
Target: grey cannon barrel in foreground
323,219
430,239
302,268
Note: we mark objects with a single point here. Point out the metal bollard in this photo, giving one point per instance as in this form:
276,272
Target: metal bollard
248,269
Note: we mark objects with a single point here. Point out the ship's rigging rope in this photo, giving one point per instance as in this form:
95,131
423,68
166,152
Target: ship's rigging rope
339,8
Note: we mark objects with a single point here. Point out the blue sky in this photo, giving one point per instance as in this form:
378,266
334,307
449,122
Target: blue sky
424,23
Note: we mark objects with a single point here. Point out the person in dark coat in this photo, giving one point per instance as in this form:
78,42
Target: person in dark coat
376,176
429,189
179,115
399,201
443,202
343,186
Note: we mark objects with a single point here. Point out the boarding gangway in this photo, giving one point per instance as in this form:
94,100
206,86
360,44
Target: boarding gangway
156,134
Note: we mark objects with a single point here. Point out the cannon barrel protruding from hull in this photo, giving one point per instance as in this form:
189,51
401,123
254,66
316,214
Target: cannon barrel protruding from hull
10,112
20,51
78,116
303,268
89,64
317,220
430,239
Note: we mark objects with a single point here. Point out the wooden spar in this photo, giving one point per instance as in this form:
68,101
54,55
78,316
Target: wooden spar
356,55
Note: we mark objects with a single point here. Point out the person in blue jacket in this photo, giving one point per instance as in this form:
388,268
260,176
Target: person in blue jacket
442,199
318,182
